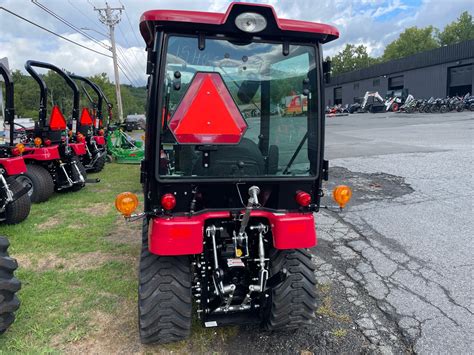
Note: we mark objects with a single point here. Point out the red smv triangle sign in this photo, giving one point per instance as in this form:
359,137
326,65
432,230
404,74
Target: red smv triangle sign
86,119
57,122
207,113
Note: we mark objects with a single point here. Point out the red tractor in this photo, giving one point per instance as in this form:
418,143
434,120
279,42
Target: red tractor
14,201
90,127
229,202
52,151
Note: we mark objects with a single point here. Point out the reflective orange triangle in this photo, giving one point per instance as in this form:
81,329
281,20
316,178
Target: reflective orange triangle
86,119
57,121
207,113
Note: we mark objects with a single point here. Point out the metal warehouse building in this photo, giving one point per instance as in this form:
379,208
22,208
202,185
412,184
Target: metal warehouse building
441,72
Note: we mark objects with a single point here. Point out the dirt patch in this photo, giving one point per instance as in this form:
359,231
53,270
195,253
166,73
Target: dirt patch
76,261
111,334
126,232
97,209
49,223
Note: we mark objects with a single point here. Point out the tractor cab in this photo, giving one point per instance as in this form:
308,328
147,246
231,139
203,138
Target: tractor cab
230,184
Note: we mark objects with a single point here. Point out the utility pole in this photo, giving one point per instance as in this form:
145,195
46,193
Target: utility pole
110,16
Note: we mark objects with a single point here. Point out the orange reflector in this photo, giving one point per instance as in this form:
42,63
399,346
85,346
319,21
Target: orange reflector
57,121
342,195
38,141
20,148
126,203
86,119
207,113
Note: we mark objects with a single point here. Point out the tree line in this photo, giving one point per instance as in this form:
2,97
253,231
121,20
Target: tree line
411,41
27,95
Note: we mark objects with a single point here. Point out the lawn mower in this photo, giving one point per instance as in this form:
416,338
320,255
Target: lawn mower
9,286
228,201
123,148
14,201
89,127
52,159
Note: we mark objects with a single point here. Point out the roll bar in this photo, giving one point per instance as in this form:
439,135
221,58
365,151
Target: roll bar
44,89
96,89
9,100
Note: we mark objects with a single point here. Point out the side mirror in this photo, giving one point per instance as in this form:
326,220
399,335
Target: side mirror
247,90
327,71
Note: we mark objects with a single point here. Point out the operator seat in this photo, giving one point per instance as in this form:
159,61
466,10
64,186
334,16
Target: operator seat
232,160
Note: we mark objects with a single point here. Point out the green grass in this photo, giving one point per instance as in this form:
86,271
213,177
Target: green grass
58,302
79,279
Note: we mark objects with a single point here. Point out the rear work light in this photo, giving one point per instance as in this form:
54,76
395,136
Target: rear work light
303,198
250,22
168,201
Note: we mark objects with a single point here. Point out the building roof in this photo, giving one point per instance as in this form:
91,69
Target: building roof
436,56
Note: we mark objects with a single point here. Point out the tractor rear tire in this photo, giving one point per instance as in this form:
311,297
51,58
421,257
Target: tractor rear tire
9,285
99,164
291,304
164,296
41,182
18,210
75,175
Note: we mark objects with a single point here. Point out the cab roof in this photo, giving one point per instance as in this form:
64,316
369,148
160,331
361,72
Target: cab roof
223,23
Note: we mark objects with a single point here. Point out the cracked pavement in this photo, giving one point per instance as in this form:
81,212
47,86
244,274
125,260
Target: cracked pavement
406,239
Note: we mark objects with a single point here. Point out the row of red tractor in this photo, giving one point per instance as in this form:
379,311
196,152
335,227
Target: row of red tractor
34,163
56,154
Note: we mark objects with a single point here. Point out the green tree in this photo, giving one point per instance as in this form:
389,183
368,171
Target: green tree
457,31
411,41
351,58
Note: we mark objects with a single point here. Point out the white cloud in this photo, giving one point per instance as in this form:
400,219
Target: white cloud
359,22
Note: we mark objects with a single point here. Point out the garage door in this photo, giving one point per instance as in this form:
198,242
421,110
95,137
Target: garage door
460,80
337,95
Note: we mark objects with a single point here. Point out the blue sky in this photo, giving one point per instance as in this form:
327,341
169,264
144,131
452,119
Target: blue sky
373,23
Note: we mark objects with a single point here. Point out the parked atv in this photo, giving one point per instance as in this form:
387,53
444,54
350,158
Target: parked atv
51,157
9,286
229,201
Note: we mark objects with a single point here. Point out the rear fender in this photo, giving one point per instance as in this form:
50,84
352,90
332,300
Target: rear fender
42,154
180,235
78,148
13,165
100,140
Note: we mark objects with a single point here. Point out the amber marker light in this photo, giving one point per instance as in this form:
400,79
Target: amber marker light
38,141
342,195
126,203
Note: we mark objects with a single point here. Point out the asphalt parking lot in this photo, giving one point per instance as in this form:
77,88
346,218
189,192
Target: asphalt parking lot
405,242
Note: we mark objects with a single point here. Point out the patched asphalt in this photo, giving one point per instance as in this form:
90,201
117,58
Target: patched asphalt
406,239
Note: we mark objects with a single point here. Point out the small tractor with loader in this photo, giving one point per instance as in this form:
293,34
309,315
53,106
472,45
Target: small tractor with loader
229,202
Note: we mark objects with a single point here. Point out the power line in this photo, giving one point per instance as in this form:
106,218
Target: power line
125,74
130,24
80,11
53,33
67,23
135,72
128,44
